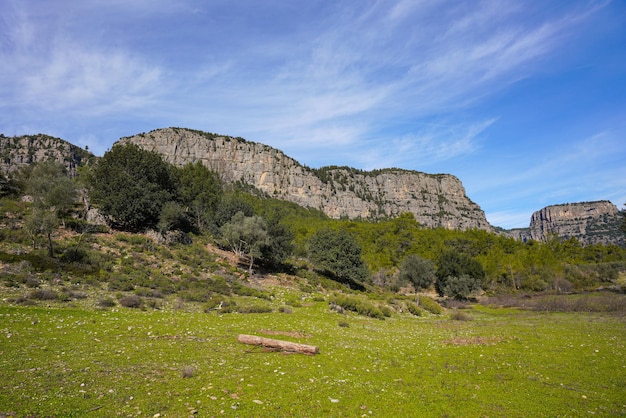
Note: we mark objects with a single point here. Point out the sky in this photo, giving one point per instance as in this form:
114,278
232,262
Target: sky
523,101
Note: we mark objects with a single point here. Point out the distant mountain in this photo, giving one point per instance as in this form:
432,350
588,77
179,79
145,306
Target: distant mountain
590,222
436,200
19,151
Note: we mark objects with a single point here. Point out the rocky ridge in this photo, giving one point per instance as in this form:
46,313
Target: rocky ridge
20,151
589,222
436,200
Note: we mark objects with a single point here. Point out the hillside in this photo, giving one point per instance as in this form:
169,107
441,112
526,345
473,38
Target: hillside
590,222
436,200
20,151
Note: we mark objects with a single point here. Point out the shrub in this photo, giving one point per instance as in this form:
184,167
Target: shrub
249,291
131,301
32,282
285,309
106,302
43,294
123,284
386,310
212,303
254,309
460,287
430,305
414,309
460,316
359,306
187,372
195,295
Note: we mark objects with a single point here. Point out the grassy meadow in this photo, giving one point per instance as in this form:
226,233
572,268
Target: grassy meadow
481,361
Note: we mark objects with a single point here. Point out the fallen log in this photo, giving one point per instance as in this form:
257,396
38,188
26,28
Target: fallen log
278,344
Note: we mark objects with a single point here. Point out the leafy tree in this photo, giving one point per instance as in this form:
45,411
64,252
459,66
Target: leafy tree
280,245
338,253
131,185
419,271
53,193
172,217
229,206
200,191
8,185
460,287
246,236
452,267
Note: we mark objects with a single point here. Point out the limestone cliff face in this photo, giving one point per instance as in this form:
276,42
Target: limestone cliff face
435,200
589,222
19,151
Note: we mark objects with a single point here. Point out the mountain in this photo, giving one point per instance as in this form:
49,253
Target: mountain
590,222
436,200
19,151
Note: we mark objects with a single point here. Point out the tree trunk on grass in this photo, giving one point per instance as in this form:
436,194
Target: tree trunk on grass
278,344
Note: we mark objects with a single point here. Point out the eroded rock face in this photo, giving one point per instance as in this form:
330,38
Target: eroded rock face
19,151
589,222
435,200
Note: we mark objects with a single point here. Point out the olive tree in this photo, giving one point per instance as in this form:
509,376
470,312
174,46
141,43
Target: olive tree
338,253
420,272
458,275
53,193
246,236
131,186
200,191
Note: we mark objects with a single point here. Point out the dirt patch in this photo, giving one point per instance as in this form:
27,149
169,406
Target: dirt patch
473,341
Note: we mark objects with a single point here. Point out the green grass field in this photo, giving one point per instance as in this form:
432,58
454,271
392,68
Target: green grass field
76,361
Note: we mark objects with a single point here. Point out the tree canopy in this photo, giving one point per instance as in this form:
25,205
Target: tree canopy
338,253
131,185
418,271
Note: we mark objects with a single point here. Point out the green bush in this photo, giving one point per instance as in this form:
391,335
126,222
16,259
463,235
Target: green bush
131,301
254,309
457,315
213,303
358,305
430,305
106,302
285,309
43,294
414,309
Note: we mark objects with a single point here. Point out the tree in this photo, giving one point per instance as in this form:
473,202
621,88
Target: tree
460,287
455,268
229,206
172,217
131,185
338,253
280,245
419,271
53,194
200,191
246,236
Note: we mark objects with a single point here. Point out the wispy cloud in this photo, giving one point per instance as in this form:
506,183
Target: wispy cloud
54,72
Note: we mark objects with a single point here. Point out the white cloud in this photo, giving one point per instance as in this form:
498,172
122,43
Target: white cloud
54,72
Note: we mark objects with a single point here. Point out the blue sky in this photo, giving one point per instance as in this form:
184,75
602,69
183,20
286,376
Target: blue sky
524,101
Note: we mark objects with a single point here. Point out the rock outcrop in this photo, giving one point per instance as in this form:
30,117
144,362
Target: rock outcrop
19,151
436,200
589,222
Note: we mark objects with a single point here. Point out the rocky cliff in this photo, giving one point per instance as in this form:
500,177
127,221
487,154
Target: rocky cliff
19,151
436,200
589,222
